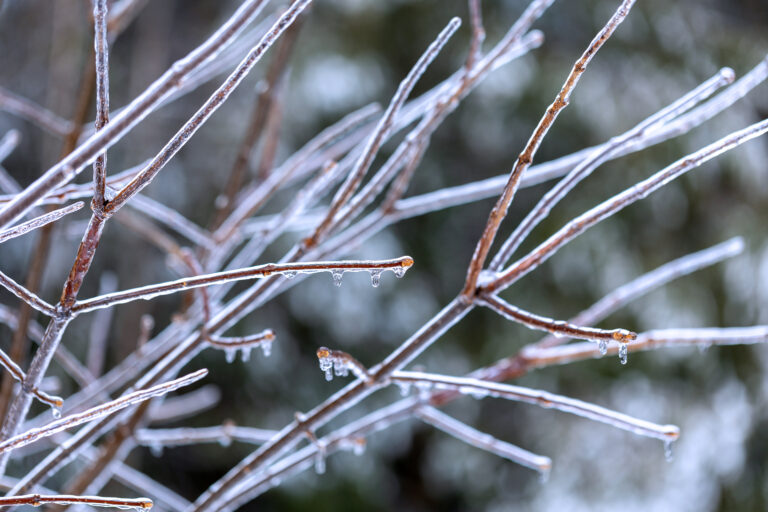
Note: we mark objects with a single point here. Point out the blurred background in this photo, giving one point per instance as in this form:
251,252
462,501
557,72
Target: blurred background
353,52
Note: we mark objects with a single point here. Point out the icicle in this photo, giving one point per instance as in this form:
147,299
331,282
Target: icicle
399,271
245,354
156,449
266,347
337,275
623,353
375,277
544,474
229,354
326,362
602,345
405,387
668,450
358,446
320,458
703,347
225,441
56,411
289,274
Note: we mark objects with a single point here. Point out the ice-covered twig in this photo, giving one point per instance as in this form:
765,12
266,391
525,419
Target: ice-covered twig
37,500
647,282
556,327
481,388
484,441
101,46
18,374
384,126
702,337
375,267
38,222
340,363
600,156
620,201
523,161
26,109
223,434
94,413
26,295
230,345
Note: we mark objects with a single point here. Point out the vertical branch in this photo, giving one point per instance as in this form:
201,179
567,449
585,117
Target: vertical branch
101,47
523,161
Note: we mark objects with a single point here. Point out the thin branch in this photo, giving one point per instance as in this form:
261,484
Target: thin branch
473,437
38,222
649,281
244,343
17,373
37,500
478,34
27,296
523,161
337,268
8,143
556,327
618,202
223,434
108,408
383,128
101,46
34,113
481,388
600,156
650,340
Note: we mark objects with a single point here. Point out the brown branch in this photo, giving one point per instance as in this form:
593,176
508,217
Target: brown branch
523,161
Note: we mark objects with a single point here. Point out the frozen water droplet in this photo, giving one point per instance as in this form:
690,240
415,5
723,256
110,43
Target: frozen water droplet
245,354
289,274
375,278
405,388
623,353
326,363
266,347
156,449
602,345
229,354
337,275
399,271
225,441
319,464
668,451
358,446
56,411
544,475
703,347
